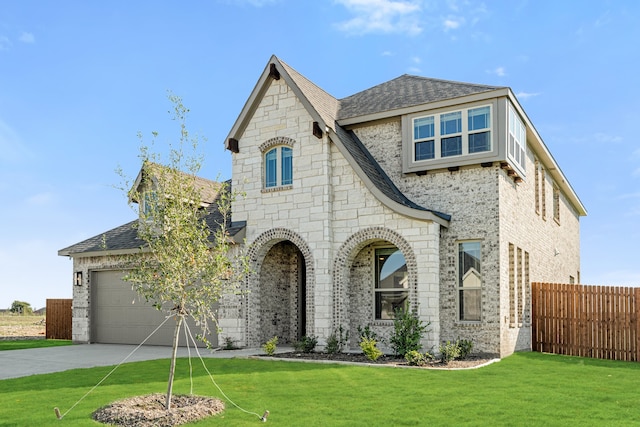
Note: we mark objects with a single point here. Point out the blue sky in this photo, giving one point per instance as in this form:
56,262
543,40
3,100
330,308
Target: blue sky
79,80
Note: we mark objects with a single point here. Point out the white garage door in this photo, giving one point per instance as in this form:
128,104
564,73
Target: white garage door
120,316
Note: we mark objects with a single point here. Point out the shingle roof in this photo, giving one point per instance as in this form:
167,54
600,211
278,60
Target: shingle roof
325,105
125,237
376,174
405,91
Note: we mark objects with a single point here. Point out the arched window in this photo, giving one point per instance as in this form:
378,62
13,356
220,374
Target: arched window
278,167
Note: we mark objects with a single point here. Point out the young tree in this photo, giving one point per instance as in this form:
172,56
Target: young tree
21,307
189,260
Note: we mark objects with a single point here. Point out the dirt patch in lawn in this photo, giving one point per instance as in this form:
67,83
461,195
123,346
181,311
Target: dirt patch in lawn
149,411
14,327
471,361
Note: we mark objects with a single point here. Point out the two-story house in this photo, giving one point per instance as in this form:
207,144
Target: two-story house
418,193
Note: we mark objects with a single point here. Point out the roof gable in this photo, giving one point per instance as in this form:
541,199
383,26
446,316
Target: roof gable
323,108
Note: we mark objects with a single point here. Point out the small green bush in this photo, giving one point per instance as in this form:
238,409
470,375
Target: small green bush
337,340
370,348
306,344
449,351
466,346
407,332
368,333
415,358
270,346
229,344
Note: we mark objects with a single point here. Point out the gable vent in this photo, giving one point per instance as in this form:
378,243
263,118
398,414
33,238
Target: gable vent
273,72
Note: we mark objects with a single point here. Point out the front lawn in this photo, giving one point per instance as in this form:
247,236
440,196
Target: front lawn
526,389
22,344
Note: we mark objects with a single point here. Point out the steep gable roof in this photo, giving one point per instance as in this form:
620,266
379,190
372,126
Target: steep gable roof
323,108
405,91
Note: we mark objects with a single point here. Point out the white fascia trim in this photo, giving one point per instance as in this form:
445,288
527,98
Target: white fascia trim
545,156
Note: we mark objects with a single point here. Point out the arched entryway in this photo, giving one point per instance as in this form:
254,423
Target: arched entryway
282,310
280,289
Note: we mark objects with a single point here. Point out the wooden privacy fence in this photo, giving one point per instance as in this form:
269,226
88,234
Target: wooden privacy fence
58,319
587,321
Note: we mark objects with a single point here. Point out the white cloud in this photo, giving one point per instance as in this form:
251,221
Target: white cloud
387,53
381,16
27,38
453,23
602,137
416,60
498,71
526,95
415,70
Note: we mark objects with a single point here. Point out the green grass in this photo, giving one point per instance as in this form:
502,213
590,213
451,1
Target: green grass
526,389
22,344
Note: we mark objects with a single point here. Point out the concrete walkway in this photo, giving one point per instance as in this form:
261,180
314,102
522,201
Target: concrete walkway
22,363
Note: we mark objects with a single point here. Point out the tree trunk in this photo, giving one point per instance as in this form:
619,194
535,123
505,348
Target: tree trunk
174,354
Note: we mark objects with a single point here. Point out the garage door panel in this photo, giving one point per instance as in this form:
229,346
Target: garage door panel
120,315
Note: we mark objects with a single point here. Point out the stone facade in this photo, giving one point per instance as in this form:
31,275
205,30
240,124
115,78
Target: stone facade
312,241
332,222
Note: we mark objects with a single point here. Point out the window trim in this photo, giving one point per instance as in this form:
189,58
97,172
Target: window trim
459,286
410,164
440,134
279,168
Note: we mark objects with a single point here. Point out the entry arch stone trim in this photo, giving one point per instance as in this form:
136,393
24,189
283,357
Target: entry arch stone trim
346,255
256,254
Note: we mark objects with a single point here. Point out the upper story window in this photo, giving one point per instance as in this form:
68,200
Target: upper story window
149,204
452,133
517,143
278,167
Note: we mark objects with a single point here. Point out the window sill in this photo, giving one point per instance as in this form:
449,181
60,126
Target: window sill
474,324
280,188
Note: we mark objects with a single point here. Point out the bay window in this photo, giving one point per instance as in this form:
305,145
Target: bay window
453,133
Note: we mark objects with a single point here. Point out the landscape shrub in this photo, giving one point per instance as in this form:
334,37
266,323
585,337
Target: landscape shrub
415,358
306,344
229,344
449,351
466,346
270,346
370,348
368,333
407,332
337,340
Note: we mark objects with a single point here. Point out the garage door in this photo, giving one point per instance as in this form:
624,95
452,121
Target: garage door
120,316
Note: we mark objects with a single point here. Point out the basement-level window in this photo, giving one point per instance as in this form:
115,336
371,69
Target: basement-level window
469,281
278,167
391,283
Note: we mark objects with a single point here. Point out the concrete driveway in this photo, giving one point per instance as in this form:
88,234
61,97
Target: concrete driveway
22,363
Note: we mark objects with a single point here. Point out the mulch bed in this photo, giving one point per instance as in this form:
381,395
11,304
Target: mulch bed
471,361
149,411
